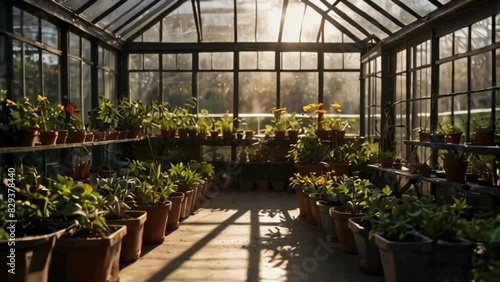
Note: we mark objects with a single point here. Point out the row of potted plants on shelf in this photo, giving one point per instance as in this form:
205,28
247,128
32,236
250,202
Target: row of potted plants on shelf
105,221
406,239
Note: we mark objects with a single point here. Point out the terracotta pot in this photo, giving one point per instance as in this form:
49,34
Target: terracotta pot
227,135
177,198
135,132
301,202
453,138
455,171
424,136
78,136
262,185
368,253
313,198
27,138
386,162
280,135
214,134
249,134
132,242
62,136
306,169
156,222
339,168
89,137
327,221
123,134
183,133
112,135
192,203
323,134
48,137
293,136
200,194
168,134
278,185
32,258
338,137
484,138
185,208
246,185
202,135
87,259
346,238
309,213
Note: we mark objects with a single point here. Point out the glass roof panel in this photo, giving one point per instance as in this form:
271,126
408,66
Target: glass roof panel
130,15
420,6
332,34
268,20
179,25
118,12
396,11
293,21
310,25
345,24
246,20
361,4
362,21
217,19
444,2
146,17
72,4
320,4
97,8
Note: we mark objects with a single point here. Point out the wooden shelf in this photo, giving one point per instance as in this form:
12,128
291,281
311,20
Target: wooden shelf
218,142
468,148
11,150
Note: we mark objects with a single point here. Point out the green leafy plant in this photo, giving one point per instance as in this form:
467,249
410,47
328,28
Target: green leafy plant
46,114
23,115
205,122
449,128
103,117
116,195
132,114
293,122
353,194
225,123
308,150
149,183
280,119
182,175
204,169
454,155
343,153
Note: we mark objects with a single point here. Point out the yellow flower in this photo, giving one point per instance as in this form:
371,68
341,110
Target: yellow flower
10,102
320,112
320,105
60,107
306,108
41,98
35,109
336,106
320,181
26,99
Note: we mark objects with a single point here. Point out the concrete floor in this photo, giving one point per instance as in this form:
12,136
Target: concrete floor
245,236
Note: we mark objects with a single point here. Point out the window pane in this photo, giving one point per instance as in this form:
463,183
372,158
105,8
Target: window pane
309,61
184,61
30,26
215,91
293,21
342,88
50,34
86,90
352,60
100,82
445,46
223,61
268,20
74,84
257,93
461,39
97,8
179,25
497,37
86,49
51,76
445,78
169,61
32,72
74,44
310,25
333,61
481,69
111,86
152,34
481,33
17,82
177,88
205,61
217,18
248,60
298,89
145,86
266,60
246,20
151,61
290,60
16,21
331,33
460,78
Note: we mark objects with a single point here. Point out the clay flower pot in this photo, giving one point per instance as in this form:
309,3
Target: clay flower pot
48,137
62,136
156,222
177,198
346,238
132,242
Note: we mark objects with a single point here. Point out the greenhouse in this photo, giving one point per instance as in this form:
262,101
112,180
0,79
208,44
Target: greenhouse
250,140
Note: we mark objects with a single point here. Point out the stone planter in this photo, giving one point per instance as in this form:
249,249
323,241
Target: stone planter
327,221
368,253
346,239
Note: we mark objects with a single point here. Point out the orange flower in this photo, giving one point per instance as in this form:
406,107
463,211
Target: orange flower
60,107
10,102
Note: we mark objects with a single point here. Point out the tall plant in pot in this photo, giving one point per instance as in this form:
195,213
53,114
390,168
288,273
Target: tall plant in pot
47,121
23,121
308,155
103,120
117,202
340,157
328,199
185,178
92,240
133,116
151,188
205,124
455,165
353,194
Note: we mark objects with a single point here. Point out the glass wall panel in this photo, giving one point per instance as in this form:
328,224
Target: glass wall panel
74,44
179,25
151,61
215,91
308,61
152,34
352,60
97,8
30,26
217,19
290,60
460,76
248,60
445,78
50,34
246,20
257,93
75,84
32,72
481,70
342,88
293,21
86,90
177,88
298,89
266,60
86,49
481,33
145,86
461,40
51,76
268,20
446,46
17,21
333,61
17,82
310,25
331,33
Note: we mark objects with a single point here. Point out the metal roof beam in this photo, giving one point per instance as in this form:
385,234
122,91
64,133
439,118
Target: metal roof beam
137,3
132,18
406,8
85,6
436,3
108,11
367,17
282,20
385,13
197,19
333,22
164,13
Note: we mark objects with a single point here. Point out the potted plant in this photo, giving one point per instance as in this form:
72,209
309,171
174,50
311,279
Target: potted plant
295,125
378,203
46,114
164,119
328,199
205,124
455,165
33,242
92,240
340,157
452,133
337,125
132,116
424,134
151,187
297,182
280,122
314,111
23,121
184,178
353,195
103,120
437,136
78,134
185,122
117,200
484,134
225,124
386,158
308,154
